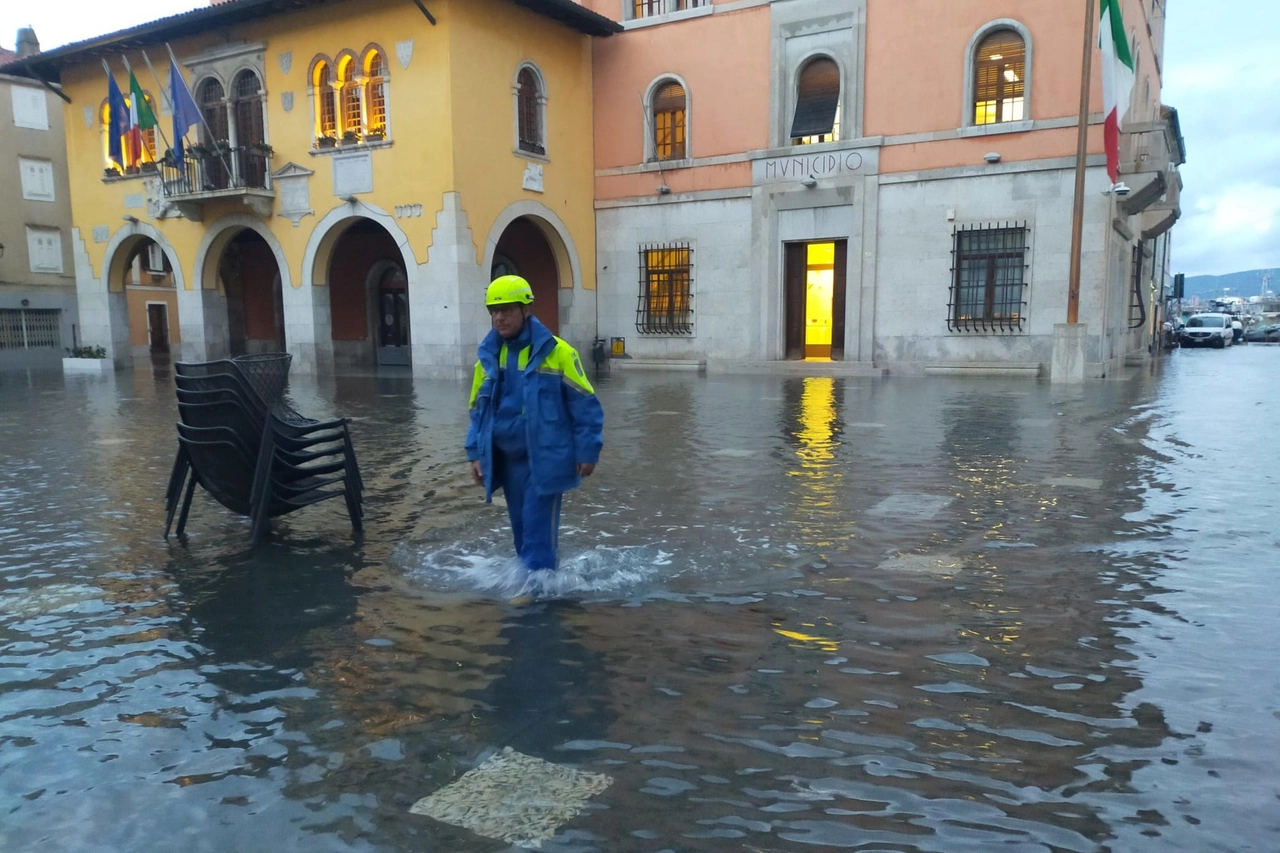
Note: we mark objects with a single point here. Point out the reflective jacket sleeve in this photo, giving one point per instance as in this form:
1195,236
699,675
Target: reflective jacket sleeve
584,407
473,431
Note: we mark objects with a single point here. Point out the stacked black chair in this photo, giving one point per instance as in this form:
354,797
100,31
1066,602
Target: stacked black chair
240,440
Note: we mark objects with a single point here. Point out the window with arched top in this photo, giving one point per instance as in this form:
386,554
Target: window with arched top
670,121
817,115
999,78
529,112
213,108
350,98
325,100
375,72
247,96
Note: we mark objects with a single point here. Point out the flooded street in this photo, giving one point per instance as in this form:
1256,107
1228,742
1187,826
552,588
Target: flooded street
875,614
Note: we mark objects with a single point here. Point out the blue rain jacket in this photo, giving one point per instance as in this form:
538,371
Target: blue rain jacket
563,419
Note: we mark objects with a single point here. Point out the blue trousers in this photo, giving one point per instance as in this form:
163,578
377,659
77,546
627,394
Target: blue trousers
535,518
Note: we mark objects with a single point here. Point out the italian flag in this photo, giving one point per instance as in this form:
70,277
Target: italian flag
140,118
1117,80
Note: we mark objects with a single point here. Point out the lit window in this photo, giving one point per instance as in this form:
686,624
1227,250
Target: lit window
666,290
999,84
375,70
649,8
817,117
352,120
326,107
669,121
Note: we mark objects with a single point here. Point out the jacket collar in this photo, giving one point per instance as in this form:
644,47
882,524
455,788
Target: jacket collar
542,343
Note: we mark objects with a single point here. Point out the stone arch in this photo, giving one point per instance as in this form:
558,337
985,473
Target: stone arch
315,260
552,227
216,237
113,258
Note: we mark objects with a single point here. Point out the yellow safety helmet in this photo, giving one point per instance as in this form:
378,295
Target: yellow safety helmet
507,290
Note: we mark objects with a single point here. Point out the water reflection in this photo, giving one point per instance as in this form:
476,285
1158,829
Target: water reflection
1051,630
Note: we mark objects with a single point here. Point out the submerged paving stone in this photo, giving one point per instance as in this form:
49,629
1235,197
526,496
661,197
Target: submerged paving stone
906,506
513,797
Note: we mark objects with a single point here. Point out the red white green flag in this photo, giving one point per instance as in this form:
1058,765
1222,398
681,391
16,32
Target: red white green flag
1117,80
140,118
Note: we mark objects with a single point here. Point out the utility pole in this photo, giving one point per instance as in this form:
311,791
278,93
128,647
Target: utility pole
1082,151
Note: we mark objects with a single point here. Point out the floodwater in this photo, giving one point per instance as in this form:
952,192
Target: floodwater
794,614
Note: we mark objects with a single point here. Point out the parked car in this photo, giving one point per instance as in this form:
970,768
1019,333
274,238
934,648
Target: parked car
1207,330
1264,334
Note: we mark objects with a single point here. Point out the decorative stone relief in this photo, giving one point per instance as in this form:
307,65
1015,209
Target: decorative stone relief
292,183
404,52
101,233
286,62
532,179
286,101
352,173
88,117
408,211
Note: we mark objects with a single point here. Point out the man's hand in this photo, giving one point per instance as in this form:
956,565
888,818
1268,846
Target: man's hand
585,469
477,473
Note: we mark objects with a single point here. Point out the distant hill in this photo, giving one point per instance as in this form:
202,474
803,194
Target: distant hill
1243,284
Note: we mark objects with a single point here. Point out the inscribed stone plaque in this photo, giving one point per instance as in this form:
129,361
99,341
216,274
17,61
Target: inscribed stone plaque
352,173
293,188
101,233
134,201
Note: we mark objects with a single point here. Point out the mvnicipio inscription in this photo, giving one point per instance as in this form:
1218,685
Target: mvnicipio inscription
828,164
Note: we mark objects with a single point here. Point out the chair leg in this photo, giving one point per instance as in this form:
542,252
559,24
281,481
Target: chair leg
354,511
173,495
186,504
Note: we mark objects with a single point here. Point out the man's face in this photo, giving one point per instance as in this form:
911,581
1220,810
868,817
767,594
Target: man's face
508,319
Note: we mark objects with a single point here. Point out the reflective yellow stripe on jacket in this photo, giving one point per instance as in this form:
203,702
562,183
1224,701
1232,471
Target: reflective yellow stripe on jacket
562,361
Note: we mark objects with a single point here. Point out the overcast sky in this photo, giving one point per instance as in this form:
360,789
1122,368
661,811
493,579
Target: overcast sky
1222,72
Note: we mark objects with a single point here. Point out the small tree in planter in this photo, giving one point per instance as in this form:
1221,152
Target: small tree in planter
326,141
87,359
350,137
375,135
262,149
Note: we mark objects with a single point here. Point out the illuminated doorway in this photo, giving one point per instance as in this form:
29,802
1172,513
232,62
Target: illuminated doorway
815,299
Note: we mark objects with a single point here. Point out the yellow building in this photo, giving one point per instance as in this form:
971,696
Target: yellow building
360,172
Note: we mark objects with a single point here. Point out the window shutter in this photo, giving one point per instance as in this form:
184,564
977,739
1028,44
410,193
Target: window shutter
669,98
817,98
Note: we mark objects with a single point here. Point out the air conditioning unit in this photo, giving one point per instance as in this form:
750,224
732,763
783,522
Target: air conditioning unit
155,259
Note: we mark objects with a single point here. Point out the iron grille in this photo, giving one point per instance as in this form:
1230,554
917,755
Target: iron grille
377,96
30,328
988,278
529,127
665,305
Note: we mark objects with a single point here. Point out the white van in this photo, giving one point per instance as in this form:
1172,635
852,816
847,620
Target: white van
1207,330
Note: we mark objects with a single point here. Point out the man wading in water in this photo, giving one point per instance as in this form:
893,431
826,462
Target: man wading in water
536,425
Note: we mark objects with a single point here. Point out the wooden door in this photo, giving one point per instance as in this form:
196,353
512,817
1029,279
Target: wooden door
158,324
838,300
794,268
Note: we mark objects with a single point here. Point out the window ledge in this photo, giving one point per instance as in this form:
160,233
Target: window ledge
137,176
347,149
530,155
668,17
656,165
997,128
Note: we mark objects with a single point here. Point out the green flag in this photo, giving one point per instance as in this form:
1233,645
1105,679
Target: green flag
144,118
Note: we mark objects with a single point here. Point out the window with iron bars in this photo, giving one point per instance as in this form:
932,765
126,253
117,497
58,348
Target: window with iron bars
30,328
988,278
665,305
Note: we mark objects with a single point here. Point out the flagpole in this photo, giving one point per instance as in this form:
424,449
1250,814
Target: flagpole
158,125
1082,152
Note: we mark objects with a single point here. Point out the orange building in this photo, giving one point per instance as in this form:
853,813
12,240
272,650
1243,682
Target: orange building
885,184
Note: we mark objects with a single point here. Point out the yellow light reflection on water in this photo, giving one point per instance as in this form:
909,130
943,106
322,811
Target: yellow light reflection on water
826,644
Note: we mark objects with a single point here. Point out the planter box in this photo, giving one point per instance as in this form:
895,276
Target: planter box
88,365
